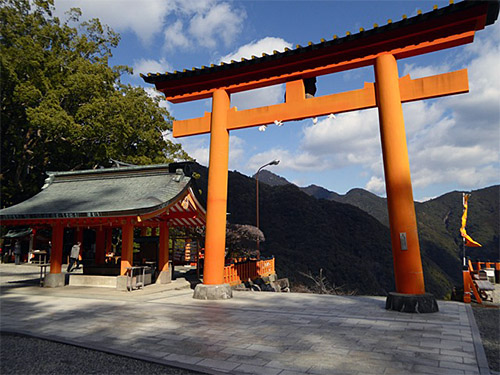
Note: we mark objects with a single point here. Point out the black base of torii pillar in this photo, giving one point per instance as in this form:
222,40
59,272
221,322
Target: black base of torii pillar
411,303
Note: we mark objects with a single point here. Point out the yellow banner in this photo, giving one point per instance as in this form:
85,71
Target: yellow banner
468,240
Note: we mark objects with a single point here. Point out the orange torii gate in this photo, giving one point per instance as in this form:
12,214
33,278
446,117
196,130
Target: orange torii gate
381,46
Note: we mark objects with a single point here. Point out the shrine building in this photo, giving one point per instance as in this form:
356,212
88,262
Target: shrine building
154,196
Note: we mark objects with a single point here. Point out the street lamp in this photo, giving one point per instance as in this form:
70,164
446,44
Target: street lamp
274,162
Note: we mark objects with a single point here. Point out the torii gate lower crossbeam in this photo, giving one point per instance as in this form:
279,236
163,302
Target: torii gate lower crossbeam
388,93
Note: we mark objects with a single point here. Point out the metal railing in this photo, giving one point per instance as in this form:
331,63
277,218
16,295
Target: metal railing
470,287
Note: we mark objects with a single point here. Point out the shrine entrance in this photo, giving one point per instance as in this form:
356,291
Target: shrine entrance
380,47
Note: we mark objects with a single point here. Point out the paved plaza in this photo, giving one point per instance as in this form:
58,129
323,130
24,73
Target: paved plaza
253,333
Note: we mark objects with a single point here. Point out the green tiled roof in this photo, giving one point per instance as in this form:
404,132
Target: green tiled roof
102,193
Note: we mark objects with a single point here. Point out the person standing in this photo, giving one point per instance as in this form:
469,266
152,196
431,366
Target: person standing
17,252
73,256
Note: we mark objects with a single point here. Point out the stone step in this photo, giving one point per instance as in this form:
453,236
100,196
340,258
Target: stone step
92,280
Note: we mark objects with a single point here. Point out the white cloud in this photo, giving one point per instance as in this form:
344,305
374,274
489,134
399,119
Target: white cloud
182,23
175,36
422,116
203,24
236,151
425,199
350,138
189,7
256,48
416,71
466,178
146,66
198,147
444,149
460,142
144,18
299,161
220,19
448,156
376,185
259,97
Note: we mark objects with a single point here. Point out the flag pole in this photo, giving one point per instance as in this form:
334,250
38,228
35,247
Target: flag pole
463,238
465,269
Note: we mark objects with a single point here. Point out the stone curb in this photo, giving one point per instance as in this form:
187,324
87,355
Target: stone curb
95,347
482,361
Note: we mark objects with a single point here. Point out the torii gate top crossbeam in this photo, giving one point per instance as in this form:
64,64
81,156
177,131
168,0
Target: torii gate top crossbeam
297,107
439,29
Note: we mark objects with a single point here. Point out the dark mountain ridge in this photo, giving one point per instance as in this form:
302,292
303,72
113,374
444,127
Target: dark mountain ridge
271,179
319,192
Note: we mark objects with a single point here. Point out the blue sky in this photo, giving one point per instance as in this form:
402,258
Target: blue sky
454,142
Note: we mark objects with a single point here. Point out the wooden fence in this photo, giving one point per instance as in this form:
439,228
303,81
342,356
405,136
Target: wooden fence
478,265
241,271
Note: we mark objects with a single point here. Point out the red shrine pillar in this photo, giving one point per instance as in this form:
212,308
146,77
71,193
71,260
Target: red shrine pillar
55,278
127,256
57,248
127,248
403,224
100,246
165,275
213,286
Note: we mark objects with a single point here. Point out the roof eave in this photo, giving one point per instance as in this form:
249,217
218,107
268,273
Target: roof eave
11,218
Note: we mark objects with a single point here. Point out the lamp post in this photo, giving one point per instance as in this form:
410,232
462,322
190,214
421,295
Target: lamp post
274,162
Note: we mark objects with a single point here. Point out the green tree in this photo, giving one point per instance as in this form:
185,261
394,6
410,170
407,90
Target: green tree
62,106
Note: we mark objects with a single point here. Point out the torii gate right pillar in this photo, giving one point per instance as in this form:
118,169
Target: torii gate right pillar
410,293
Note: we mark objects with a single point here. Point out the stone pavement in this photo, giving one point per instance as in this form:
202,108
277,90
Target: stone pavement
256,333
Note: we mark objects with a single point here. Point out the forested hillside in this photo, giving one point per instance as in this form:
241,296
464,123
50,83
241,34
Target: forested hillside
438,223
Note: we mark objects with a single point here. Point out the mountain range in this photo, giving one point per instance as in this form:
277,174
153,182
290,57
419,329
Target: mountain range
347,236
439,217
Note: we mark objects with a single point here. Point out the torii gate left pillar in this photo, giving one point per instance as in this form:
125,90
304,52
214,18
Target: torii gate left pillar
213,286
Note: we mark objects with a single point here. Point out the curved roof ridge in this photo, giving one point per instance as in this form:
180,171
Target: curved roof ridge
108,170
129,191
